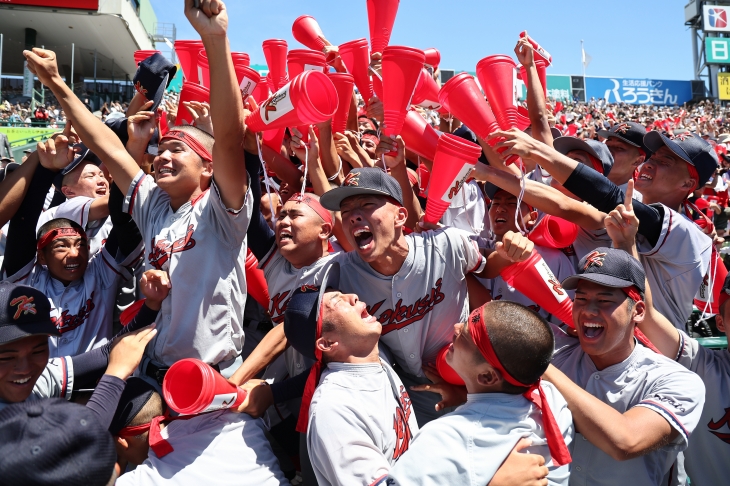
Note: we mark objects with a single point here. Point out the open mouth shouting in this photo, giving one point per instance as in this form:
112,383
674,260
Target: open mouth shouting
72,267
164,171
367,318
363,238
285,236
592,330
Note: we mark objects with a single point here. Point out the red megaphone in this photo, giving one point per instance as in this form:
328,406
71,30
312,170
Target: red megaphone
356,58
300,60
261,93
306,30
247,78
343,83
433,57
274,138
401,68
381,17
419,135
187,53
256,285
140,56
554,232
445,370
544,55
534,279
275,54
454,160
241,57
190,92
423,178
496,75
191,387
308,99
426,94
541,66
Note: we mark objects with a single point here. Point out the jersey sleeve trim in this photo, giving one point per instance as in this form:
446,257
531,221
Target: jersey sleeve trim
112,267
682,344
67,378
666,235
132,193
265,261
479,267
668,415
85,213
230,210
380,481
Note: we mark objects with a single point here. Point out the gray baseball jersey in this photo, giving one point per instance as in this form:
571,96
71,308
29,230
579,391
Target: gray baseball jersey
419,305
467,446
56,381
707,459
467,210
644,379
358,427
214,448
676,265
202,246
83,310
77,210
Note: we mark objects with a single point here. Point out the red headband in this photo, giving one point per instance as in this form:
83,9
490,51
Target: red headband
191,142
635,295
159,445
314,204
370,136
312,380
694,175
597,164
56,233
556,442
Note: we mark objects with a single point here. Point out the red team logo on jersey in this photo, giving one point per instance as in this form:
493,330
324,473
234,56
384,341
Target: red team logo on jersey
622,128
403,315
162,250
352,179
400,424
66,322
715,426
25,306
594,259
278,307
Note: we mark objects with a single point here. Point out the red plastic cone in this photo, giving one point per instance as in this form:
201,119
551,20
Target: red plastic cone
275,53
541,66
274,138
426,94
191,387
306,30
356,58
256,285
190,92
454,160
496,75
187,53
242,57
401,68
545,55
261,93
300,60
248,79
381,17
343,83
423,177
554,232
419,136
536,281
308,99
140,56
433,57
445,370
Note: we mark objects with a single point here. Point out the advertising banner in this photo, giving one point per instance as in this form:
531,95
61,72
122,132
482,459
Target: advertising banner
717,50
639,91
715,18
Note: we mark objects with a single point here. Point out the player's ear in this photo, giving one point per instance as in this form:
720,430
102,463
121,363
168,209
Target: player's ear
489,377
719,322
639,312
42,257
326,231
401,217
121,444
67,192
325,345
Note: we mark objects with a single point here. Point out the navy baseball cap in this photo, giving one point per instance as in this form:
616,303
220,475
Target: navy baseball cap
11,167
24,311
362,181
690,148
153,75
608,267
629,132
82,154
592,147
119,127
137,392
52,442
303,313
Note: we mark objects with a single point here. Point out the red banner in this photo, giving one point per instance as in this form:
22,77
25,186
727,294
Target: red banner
75,4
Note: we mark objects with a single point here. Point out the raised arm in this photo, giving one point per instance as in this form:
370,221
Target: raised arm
535,94
210,20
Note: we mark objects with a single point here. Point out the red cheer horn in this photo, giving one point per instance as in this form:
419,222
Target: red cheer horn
719,272
454,160
426,94
300,60
187,53
462,98
423,178
554,232
140,56
275,54
274,138
261,93
191,387
433,57
523,118
241,57
496,75
343,83
545,55
247,77
401,68
305,29
419,135
381,17
445,370
190,92
308,99
534,279
356,58
256,285
541,66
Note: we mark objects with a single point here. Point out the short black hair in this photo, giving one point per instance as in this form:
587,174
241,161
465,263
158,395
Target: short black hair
522,340
58,223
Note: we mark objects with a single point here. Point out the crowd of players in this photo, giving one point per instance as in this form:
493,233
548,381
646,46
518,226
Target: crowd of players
365,297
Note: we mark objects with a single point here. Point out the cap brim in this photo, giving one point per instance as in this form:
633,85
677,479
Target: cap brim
607,134
333,198
75,162
13,333
571,283
568,144
654,141
159,93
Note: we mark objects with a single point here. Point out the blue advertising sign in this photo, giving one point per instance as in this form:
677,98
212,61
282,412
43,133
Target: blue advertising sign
639,91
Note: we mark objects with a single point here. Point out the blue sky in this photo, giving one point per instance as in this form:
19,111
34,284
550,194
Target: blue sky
637,38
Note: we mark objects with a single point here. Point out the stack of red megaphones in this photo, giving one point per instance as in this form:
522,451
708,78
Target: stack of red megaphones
196,73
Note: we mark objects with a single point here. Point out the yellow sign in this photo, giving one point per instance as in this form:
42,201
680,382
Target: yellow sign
723,85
